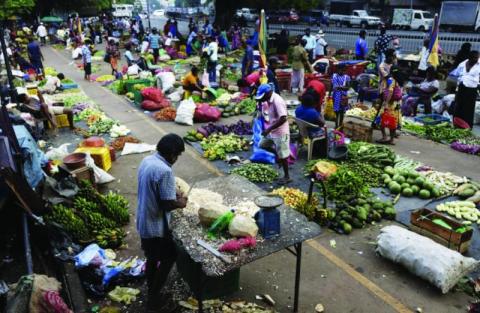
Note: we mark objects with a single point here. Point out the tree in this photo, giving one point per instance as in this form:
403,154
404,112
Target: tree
14,7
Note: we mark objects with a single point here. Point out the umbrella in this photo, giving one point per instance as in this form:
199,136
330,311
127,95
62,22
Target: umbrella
51,19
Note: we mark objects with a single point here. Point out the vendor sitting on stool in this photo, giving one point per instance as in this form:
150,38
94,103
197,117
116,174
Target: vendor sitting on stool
40,110
308,113
191,83
53,84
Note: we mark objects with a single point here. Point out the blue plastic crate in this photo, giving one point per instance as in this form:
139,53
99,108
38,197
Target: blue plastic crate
431,119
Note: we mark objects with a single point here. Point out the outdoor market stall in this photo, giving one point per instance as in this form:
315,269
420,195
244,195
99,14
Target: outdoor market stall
202,269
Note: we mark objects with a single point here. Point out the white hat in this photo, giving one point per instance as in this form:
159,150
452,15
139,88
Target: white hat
321,33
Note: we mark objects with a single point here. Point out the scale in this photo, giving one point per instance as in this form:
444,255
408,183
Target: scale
268,218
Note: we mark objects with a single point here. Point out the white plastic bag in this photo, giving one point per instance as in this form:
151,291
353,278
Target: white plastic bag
91,255
101,177
423,257
133,70
132,148
57,153
165,81
144,48
205,79
175,96
185,112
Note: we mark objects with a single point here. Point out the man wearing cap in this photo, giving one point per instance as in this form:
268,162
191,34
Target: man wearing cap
320,45
274,111
310,45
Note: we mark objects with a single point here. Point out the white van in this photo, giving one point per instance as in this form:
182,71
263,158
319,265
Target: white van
412,19
122,10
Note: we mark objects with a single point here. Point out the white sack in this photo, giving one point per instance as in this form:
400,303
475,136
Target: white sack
424,257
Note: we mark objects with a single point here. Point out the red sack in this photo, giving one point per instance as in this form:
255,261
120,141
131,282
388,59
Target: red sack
152,93
150,105
205,113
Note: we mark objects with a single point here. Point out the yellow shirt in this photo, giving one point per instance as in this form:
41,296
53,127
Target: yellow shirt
189,80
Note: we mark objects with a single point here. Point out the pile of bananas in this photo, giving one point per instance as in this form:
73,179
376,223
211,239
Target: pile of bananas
109,237
73,224
94,216
116,207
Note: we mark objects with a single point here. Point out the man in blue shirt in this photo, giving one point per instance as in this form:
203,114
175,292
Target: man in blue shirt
87,59
157,197
35,55
154,41
247,61
361,46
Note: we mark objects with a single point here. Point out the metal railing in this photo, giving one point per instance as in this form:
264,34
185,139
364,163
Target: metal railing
410,41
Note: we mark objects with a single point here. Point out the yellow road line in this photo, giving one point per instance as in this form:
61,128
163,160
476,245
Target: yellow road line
371,286
142,116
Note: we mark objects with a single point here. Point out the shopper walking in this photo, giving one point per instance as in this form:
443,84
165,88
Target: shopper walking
212,52
157,198
299,63
320,45
361,46
340,86
154,42
311,43
381,44
468,83
42,33
114,53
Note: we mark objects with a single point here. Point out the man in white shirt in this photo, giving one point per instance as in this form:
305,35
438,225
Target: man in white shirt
53,83
423,64
468,82
42,33
311,44
212,52
321,45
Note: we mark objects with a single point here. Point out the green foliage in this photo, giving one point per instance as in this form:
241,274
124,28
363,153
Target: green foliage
14,7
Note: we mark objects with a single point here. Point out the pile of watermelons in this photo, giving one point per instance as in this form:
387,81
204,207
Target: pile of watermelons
409,184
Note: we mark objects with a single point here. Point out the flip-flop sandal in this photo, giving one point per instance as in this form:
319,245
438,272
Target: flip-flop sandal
284,181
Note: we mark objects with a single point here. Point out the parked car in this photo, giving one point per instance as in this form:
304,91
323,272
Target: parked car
248,14
412,19
289,17
358,18
157,13
315,17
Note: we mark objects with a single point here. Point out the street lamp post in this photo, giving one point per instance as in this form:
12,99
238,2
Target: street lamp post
148,15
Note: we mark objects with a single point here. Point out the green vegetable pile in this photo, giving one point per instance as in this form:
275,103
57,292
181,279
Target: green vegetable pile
344,184
233,76
101,126
371,175
83,116
257,173
409,184
378,156
93,217
443,133
359,212
446,133
67,81
217,146
248,106
71,99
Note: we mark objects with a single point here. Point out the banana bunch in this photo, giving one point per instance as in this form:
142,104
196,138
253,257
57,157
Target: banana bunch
109,237
88,192
82,204
116,208
96,221
73,224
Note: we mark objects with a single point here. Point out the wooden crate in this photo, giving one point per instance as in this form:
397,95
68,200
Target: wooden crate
357,129
422,223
